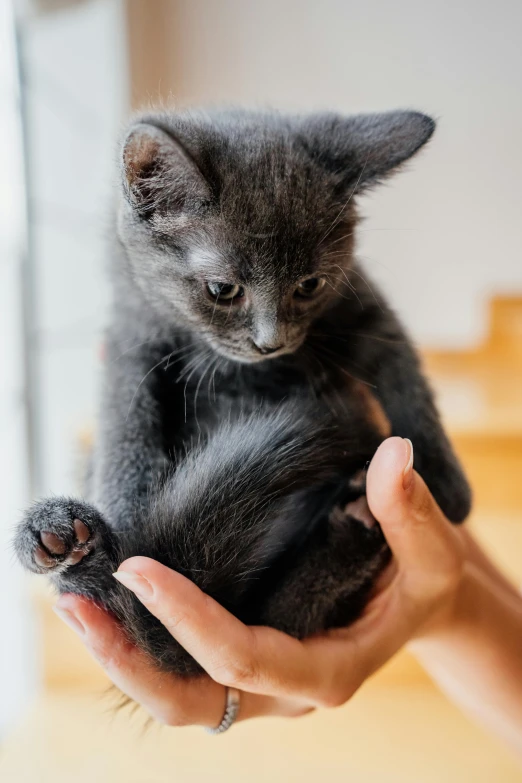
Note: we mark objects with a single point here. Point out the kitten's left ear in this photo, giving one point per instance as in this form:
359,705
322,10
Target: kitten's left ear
365,148
159,174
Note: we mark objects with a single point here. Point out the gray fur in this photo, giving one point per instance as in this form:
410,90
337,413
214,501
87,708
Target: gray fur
226,465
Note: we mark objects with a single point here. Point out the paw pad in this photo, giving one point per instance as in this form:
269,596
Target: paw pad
359,510
54,549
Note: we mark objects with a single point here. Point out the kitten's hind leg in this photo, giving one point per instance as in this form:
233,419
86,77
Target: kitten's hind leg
327,582
70,541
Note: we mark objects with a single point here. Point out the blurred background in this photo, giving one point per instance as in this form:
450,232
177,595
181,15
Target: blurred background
444,240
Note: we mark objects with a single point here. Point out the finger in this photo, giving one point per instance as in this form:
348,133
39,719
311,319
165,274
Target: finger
362,648
424,543
170,700
323,671
385,627
258,660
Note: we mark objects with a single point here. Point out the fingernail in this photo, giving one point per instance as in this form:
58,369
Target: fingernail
71,620
135,582
407,473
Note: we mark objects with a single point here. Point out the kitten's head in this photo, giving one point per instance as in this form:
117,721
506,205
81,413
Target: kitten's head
240,224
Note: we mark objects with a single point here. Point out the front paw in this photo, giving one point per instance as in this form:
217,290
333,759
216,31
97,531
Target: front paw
452,492
56,534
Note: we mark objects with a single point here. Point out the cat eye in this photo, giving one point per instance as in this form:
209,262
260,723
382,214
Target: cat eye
309,287
224,291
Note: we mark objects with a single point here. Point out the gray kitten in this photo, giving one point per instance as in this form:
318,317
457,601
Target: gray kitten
251,373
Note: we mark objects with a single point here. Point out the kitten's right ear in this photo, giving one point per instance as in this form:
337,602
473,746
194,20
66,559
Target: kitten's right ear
364,149
158,173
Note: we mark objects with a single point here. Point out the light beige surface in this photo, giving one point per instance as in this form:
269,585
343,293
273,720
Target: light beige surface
385,735
480,392
398,728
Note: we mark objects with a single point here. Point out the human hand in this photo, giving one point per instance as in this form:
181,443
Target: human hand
277,674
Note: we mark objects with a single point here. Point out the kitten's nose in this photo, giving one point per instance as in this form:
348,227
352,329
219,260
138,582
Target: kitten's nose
267,349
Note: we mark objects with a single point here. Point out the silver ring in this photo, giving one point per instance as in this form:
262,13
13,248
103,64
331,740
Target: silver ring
230,714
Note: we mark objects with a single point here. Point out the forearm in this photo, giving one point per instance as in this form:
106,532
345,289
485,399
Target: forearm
476,555
476,658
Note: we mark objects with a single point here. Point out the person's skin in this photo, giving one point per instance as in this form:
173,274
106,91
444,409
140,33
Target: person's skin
441,595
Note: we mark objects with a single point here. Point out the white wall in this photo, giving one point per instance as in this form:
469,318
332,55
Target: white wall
446,234
17,661
76,87
77,95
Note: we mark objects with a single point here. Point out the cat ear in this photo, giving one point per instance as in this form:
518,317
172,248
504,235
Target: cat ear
158,173
365,148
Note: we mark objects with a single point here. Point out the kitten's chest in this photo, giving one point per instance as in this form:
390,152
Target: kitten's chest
195,402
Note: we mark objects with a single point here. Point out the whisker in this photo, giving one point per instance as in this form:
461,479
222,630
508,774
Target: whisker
340,239
196,366
350,284
213,311
370,289
337,291
343,208
325,350
229,310
212,360
165,358
184,352
375,261
311,378
217,364
190,364
132,347
335,253
351,333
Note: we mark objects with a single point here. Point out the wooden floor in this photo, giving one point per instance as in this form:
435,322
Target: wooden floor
397,728
387,734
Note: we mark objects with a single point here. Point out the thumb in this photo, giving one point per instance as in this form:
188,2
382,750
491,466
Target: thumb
422,540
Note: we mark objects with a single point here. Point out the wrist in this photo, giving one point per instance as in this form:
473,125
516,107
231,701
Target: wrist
456,610
472,610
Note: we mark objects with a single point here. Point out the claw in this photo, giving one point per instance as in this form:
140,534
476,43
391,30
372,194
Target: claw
75,557
83,533
43,559
53,543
